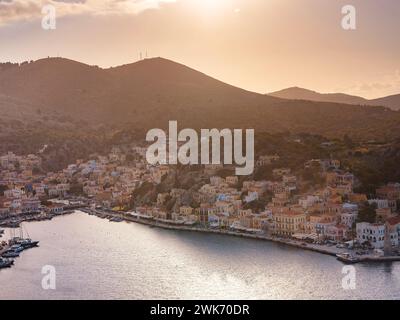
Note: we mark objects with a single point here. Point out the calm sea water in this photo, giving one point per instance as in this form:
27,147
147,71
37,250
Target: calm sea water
98,259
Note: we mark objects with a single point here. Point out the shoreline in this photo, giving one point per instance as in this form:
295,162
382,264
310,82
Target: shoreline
331,251
122,216
14,222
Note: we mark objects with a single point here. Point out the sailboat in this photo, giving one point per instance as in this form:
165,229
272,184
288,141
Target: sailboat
25,243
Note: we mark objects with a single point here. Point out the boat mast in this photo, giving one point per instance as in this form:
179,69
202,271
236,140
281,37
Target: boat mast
26,231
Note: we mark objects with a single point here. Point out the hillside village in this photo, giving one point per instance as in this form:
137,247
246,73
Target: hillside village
209,197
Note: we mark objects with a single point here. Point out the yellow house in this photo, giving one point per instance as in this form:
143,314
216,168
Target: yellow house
289,222
185,210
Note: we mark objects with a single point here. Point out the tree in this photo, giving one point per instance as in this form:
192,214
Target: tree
223,173
130,157
367,213
76,189
2,189
256,206
36,170
45,202
347,141
263,173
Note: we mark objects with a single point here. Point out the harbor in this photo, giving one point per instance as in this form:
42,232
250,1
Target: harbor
9,250
342,254
13,248
14,222
98,259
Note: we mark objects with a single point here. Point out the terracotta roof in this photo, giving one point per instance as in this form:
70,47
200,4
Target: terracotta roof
394,220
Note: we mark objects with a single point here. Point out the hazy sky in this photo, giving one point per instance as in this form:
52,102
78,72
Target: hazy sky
260,45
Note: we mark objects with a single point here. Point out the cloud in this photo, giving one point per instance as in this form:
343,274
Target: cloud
382,86
375,86
27,10
21,9
389,81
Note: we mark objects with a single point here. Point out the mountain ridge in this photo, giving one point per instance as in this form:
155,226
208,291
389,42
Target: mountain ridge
298,93
148,93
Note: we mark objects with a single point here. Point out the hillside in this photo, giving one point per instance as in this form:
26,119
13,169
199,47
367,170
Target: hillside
148,93
296,93
392,102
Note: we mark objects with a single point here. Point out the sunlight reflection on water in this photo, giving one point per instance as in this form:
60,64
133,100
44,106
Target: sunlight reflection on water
98,259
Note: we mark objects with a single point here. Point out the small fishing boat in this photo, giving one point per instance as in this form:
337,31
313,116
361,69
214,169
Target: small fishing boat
347,257
116,219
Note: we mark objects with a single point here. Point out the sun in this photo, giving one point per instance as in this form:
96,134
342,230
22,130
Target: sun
210,6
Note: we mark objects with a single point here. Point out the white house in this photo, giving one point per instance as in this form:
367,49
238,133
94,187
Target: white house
252,196
374,233
349,214
308,201
380,203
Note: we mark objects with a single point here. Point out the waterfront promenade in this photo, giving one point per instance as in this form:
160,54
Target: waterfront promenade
323,249
170,225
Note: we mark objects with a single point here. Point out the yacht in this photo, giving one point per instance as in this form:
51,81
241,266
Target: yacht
25,243
6,263
16,248
10,254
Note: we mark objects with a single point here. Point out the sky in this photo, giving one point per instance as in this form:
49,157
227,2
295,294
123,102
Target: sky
258,45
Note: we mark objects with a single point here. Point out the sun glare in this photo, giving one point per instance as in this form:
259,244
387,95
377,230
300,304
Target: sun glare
210,6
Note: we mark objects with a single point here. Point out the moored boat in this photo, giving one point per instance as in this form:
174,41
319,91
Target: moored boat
15,248
347,258
28,243
10,254
116,219
25,243
6,263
